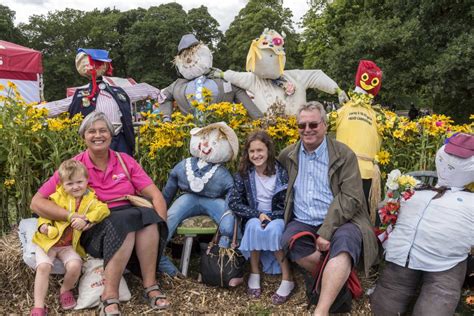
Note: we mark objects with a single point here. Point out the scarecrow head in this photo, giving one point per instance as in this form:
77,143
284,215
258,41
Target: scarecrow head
455,161
194,58
266,57
368,77
93,63
214,143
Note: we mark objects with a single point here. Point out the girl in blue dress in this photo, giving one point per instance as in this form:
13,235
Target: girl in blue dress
258,197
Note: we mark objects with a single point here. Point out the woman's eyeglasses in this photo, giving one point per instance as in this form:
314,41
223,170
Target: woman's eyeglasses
311,125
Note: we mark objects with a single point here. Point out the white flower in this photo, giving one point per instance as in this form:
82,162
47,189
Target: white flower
392,179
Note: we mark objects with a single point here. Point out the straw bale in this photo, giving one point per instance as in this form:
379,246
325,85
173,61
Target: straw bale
186,296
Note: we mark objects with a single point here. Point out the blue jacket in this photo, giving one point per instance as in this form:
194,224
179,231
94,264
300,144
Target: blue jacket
217,187
242,198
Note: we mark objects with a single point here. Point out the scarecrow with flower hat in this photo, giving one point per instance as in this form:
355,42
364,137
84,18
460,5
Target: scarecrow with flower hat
268,80
356,126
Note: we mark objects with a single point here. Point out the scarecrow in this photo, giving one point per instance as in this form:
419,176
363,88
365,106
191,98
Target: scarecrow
268,80
356,126
427,253
100,96
203,182
193,63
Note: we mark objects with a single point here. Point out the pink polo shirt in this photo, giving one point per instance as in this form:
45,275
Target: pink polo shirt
109,184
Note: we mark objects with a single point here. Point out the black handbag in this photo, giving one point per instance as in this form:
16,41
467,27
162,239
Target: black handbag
220,265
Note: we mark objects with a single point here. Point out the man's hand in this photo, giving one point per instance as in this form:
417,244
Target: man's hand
216,73
342,96
322,244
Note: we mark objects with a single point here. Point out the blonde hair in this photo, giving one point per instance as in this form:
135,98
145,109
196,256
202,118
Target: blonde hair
70,168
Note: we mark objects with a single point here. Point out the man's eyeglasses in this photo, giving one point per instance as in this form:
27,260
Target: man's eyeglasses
311,125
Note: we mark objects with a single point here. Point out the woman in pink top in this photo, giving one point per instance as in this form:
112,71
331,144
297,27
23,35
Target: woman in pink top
131,237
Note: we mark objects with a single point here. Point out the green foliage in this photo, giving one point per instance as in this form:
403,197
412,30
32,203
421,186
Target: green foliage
423,48
249,24
205,27
151,44
8,30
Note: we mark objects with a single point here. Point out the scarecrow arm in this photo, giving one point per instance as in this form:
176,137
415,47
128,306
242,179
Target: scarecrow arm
244,80
144,91
56,107
242,97
315,79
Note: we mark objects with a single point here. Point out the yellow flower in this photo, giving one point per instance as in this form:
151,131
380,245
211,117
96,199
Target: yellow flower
383,157
405,180
11,84
2,87
36,127
9,183
398,134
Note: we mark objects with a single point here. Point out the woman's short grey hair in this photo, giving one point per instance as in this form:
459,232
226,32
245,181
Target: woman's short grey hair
312,106
91,119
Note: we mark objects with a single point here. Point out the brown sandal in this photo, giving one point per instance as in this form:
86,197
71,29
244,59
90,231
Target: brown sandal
151,300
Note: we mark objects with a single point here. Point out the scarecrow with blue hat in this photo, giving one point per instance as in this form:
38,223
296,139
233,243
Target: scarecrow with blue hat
193,63
100,96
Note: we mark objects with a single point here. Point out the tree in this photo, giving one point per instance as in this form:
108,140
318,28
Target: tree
94,29
205,27
249,24
421,60
58,35
8,30
151,44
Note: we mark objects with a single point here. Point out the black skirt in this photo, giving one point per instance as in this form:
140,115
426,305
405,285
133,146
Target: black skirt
105,238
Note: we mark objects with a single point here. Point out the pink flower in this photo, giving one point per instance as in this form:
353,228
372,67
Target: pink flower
439,123
277,41
289,88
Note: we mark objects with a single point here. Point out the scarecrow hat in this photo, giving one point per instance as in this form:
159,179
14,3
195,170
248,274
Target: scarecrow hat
269,39
96,54
460,145
187,41
226,130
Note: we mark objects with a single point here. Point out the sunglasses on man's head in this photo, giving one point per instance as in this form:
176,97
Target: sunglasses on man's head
311,125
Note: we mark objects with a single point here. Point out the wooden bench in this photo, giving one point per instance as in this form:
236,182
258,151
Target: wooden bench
190,228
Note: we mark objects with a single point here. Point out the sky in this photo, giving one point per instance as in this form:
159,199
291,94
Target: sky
223,11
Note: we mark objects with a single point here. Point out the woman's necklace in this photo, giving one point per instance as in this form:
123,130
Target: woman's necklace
197,184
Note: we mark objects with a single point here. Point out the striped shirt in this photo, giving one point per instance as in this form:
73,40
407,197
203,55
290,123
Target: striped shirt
106,103
312,191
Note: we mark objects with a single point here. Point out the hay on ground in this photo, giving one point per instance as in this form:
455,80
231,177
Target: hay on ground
186,296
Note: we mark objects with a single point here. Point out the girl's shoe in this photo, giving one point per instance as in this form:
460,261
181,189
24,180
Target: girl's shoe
38,311
278,299
67,300
254,293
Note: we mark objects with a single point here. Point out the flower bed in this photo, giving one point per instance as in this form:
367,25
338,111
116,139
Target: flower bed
32,146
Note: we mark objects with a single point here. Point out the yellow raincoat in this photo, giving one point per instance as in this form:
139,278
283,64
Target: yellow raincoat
94,210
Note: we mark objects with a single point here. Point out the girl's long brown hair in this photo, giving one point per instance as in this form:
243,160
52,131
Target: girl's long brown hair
245,164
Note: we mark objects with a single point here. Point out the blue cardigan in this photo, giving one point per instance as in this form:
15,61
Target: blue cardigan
242,197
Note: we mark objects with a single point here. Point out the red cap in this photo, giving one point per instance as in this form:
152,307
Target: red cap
460,145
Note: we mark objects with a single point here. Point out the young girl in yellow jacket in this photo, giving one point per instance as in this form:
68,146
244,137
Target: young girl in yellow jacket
61,238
